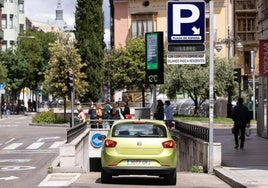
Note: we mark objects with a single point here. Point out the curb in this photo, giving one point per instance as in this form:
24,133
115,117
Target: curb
229,178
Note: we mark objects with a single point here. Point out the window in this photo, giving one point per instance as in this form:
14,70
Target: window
21,6
139,130
4,45
141,24
21,28
4,21
247,57
11,21
12,44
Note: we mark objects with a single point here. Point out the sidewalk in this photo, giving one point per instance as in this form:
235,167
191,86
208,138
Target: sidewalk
243,168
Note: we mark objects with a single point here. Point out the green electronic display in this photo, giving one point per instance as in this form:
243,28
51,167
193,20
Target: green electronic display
152,51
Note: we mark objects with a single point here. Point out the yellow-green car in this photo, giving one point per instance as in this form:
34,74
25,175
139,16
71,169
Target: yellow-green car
140,147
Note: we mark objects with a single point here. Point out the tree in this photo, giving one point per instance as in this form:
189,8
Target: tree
3,73
90,42
128,65
194,80
64,58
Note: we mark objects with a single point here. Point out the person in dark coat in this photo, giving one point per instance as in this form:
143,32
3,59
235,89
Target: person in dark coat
159,113
241,118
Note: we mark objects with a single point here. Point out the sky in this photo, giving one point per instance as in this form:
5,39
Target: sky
45,11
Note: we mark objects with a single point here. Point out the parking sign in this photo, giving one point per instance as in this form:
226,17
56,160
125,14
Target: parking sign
186,22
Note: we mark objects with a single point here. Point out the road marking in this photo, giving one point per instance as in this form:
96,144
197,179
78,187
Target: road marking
15,160
12,146
35,145
10,141
59,179
9,178
15,168
47,138
56,144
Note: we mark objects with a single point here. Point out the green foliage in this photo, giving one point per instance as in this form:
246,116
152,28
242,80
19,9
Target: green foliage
3,72
193,80
44,117
125,66
89,34
47,117
64,58
27,63
197,169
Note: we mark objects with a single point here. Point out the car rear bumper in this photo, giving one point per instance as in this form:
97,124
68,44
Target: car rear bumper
138,171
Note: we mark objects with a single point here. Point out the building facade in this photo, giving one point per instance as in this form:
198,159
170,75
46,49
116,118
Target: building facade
13,22
1,30
262,120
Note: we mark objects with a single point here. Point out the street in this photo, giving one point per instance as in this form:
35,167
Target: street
26,152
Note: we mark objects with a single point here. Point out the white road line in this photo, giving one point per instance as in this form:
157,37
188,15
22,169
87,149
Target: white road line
56,145
35,145
12,146
10,141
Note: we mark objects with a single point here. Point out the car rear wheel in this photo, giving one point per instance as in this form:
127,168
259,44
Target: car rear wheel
105,177
171,179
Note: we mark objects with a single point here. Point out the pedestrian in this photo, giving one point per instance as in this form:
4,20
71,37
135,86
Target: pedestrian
126,111
116,112
168,114
92,114
99,114
107,109
81,115
7,109
241,118
159,113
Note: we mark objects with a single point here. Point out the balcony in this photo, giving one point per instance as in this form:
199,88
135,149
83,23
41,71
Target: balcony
1,3
1,33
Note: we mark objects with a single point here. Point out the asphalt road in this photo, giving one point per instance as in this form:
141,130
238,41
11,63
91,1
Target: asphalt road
26,152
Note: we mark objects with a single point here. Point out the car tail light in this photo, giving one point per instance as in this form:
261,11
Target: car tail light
168,144
109,143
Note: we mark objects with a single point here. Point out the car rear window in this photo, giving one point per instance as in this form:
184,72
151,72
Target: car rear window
139,130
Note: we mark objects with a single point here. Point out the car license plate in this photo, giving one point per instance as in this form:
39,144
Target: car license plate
139,162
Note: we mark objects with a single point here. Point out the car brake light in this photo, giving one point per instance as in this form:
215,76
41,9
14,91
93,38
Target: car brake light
109,143
168,144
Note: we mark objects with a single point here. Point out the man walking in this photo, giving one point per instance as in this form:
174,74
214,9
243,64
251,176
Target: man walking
241,118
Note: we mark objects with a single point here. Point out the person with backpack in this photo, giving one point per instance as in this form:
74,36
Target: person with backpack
106,115
92,114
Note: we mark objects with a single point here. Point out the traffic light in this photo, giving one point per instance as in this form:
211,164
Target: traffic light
70,80
237,75
245,82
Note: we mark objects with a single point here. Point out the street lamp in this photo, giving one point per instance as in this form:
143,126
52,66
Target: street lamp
228,42
239,46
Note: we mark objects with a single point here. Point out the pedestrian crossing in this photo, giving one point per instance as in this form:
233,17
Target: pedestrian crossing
12,145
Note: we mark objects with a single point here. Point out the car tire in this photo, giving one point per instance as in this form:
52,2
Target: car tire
171,179
105,177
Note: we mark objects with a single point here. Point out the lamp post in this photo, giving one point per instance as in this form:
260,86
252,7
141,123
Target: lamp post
239,46
252,53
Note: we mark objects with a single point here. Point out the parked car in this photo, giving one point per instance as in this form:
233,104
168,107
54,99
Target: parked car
140,147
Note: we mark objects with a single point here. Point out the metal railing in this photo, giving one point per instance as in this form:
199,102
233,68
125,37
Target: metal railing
75,131
193,130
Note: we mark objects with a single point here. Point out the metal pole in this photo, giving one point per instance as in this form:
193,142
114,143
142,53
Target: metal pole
72,101
211,83
253,80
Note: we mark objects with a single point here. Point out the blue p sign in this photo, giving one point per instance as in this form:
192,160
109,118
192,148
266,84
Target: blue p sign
186,22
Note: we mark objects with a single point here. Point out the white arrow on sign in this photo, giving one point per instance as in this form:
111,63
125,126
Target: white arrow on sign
47,138
9,178
196,30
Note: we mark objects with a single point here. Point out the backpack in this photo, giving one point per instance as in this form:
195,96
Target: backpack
106,111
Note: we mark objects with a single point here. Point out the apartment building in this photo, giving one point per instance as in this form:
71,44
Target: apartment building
13,22
1,30
262,96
